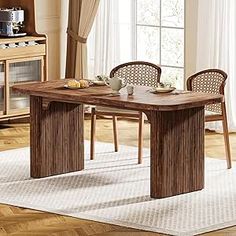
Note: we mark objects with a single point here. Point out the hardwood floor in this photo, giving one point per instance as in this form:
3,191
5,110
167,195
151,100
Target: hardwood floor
20,222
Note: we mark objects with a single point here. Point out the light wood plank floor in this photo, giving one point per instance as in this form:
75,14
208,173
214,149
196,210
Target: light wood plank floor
20,222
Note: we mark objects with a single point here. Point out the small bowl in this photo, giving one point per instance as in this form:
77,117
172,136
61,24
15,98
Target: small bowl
98,82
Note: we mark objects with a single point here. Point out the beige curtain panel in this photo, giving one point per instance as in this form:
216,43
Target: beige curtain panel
81,17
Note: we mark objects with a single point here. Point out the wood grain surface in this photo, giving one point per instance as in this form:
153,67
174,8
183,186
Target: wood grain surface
142,100
177,152
57,138
177,131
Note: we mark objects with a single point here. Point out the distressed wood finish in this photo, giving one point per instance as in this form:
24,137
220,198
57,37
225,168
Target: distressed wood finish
57,143
100,95
177,152
177,132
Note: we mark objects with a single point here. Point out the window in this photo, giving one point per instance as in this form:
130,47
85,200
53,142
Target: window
159,30
150,30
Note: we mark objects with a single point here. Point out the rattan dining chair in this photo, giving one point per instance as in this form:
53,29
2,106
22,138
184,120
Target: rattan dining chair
137,73
213,81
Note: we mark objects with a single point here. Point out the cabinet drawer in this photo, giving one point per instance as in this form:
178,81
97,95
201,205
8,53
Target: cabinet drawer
29,51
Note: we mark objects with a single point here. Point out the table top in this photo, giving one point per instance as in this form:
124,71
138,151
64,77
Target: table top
142,100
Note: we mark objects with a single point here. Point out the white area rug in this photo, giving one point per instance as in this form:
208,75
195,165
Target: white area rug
114,189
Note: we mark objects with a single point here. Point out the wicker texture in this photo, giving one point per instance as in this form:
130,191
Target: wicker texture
138,73
209,81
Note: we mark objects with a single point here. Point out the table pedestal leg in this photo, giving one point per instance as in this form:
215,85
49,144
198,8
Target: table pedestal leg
177,152
56,137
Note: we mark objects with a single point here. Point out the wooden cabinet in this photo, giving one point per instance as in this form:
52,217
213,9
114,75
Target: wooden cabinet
20,65
23,60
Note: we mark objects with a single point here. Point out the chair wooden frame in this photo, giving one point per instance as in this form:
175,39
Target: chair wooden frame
114,115
222,116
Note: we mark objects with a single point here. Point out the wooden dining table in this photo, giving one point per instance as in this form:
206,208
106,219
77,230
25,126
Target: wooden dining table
176,138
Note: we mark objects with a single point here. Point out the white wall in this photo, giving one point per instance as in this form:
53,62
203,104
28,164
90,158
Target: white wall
63,46
191,20
48,17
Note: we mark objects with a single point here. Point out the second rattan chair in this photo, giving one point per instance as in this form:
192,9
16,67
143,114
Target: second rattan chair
137,73
213,81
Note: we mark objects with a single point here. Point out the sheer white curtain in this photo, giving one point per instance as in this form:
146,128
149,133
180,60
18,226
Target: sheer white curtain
109,42
217,48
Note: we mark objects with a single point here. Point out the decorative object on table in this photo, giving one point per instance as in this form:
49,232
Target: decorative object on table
113,190
12,45
162,88
3,46
116,84
130,89
11,22
32,43
100,80
76,84
102,77
136,73
213,81
22,44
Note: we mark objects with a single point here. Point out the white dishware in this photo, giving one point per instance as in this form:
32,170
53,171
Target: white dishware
130,89
3,46
98,82
22,44
101,77
71,87
162,90
116,83
32,43
12,45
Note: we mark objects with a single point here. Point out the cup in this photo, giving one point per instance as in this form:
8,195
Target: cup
12,45
130,89
3,46
21,44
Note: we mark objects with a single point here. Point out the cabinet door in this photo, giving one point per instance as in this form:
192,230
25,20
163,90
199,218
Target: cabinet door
22,72
2,88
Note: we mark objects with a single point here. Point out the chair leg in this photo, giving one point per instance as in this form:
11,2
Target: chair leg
140,138
93,129
115,132
226,137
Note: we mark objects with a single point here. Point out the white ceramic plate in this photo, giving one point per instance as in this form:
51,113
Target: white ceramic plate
162,90
98,82
68,87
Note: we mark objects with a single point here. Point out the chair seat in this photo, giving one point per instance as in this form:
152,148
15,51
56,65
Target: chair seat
211,113
136,73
